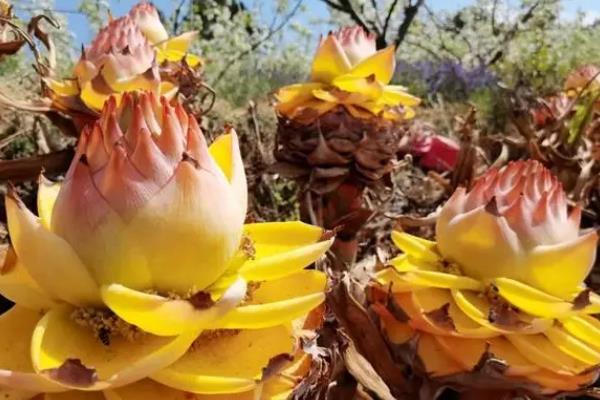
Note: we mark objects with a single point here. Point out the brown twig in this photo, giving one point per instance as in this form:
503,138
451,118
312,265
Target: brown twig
388,18
27,37
410,12
176,15
375,26
256,129
346,7
211,95
509,35
28,169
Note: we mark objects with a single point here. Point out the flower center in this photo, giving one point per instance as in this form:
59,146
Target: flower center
105,324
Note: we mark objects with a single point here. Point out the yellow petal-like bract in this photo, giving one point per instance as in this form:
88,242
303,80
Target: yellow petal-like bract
349,72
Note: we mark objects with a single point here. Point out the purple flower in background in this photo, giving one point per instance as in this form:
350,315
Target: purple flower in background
449,78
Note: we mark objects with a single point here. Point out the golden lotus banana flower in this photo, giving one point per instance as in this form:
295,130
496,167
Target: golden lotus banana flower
342,131
348,71
128,54
503,284
139,270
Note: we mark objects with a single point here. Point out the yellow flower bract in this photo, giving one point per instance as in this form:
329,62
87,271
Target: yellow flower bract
363,89
543,339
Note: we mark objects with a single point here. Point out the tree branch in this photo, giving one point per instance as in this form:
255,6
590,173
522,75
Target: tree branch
377,16
258,43
376,26
346,7
439,27
386,24
176,15
421,46
494,9
333,5
499,51
410,12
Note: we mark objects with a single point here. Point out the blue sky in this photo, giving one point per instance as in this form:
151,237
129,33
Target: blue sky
315,8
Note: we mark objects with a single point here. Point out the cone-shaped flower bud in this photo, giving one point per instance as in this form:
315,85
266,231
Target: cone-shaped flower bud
515,223
128,54
119,58
503,285
140,266
139,164
145,16
356,45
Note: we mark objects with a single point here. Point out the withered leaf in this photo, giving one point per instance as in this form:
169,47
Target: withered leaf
314,385
201,300
328,377
10,48
275,365
367,337
395,309
490,365
35,28
441,317
582,300
8,259
72,372
501,312
363,371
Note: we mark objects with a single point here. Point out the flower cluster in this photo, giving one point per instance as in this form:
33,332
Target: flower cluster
504,283
128,54
447,77
139,275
